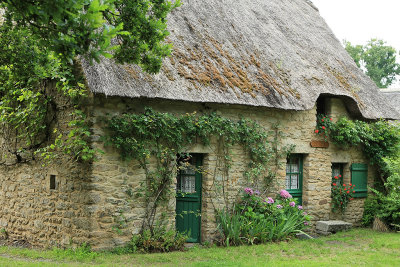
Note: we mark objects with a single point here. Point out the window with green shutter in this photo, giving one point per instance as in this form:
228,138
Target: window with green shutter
359,178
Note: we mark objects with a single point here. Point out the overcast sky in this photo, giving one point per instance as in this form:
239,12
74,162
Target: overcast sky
358,21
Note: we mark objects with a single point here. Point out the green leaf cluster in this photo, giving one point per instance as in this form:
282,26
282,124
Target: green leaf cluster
160,240
377,60
341,195
378,140
132,31
139,136
32,81
256,219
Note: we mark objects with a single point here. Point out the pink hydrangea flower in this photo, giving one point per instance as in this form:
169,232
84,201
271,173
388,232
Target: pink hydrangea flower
300,207
279,206
270,200
285,194
292,204
305,223
249,191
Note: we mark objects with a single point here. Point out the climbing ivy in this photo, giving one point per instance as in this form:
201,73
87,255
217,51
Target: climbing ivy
380,142
163,136
378,139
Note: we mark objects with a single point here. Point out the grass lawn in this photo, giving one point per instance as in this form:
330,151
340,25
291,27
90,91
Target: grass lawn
359,247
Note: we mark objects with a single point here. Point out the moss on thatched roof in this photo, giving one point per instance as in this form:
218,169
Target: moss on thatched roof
275,53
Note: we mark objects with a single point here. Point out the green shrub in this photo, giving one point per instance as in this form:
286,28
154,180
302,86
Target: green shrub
371,207
160,239
386,205
255,219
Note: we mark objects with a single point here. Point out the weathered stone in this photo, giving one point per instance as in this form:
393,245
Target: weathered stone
322,202
327,227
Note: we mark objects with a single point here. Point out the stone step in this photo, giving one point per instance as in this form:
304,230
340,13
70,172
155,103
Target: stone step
331,227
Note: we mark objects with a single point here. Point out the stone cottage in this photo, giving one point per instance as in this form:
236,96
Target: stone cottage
275,62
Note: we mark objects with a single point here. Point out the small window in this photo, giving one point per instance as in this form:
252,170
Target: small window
294,176
359,178
52,182
337,173
188,168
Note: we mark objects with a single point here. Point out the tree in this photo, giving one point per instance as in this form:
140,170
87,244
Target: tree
131,31
377,60
40,42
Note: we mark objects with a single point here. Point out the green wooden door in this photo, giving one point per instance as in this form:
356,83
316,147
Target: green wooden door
294,177
188,200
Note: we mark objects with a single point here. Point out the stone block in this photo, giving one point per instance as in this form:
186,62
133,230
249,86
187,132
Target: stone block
328,227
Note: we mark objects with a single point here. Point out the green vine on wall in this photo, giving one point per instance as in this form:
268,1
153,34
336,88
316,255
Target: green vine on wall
163,136
380,143
378,139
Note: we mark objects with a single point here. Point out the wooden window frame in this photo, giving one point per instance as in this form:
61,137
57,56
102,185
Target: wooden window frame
296,193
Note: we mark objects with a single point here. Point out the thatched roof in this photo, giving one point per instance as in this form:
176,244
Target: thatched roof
275,53
392,97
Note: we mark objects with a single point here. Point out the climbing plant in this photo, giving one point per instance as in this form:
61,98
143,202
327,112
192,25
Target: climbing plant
378,139
162,136
380,142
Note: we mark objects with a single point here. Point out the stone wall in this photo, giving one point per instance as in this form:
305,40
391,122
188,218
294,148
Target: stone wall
94,203
112,177
32,211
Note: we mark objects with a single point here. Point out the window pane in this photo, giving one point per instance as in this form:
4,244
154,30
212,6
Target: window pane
336,171
294,181
295,168
189,170
188,184
287,181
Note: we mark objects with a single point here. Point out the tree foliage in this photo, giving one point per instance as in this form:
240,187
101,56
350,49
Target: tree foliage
40,45
377,60
133,29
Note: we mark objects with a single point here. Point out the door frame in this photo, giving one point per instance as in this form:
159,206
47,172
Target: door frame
194,197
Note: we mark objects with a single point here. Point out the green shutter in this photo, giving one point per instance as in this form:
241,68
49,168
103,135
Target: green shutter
359,177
